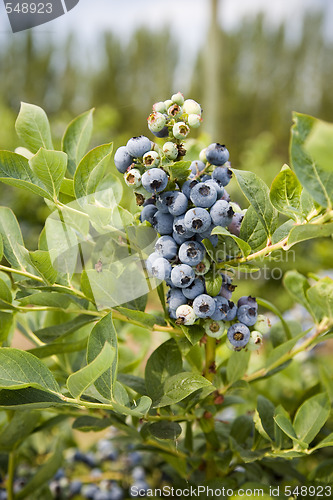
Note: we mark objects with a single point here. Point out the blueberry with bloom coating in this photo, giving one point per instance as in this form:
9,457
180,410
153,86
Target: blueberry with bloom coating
251,301
133,178
177,203
178,98
222,175
187,186
147,213
178,238
212,238
162,133
151,159
138,146
203,195
226,196
238,335
182,275
180,130
262,324
196,288
191,253
156,122
214,329
232,311
166,247
217,154
227,290
255,341
122,159
203,267
162,223
197,167
235,225
170,150
150,261
217,186
194,120
221,213
185,315
163,200
191,107
204,306
154,180
247,315
180,228
221,308
176,298
161,269
197,220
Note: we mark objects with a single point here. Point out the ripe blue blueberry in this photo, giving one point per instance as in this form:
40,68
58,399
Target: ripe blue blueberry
247,315
197,167
238,335
217,154
162,223
217,185
166,247
226,196
203,195
197,220
221,213
180,228
147,213
187,186
248,300
177,203
191,253
222,175
235,225
212,238
176,298
138,146
178,238
161,269
122,159
182,275
227,290
232,311
196,288
116,493
150,261
204,306
154,180
163,200
221,308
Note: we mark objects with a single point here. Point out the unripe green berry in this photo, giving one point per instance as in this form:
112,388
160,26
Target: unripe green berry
180,130
156,121
263,324
194,121
178,98
203,267
133,178
170,150
168,103
202,155
185,315
151,159
159,107
175,111
255,341
191,107
214,329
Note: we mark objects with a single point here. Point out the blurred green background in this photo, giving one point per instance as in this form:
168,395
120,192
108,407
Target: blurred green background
249,76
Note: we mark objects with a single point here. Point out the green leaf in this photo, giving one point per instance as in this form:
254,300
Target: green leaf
285,193
136,383
179,386
283,231
252,230
18,428
257,193
42,262
89,423
320,296
67,187
283,421
43,474
311,416
213,283
15,171
31,398
308,232
6,322
163,363
138,409
237,365
244,247
76,139
145,319
50,167
193,333
19,369
179,171
266,411
279,351
50,299
5,293
13,244
32,126
59,348
104,332
79,381
319,144
318,182
327,442
50,333
165,430
297,285
91,169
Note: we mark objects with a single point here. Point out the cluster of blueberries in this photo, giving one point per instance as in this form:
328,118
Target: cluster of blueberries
184,213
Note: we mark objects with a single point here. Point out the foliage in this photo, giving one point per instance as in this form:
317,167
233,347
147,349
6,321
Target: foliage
66,298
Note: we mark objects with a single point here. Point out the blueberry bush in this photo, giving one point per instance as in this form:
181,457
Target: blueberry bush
179,382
